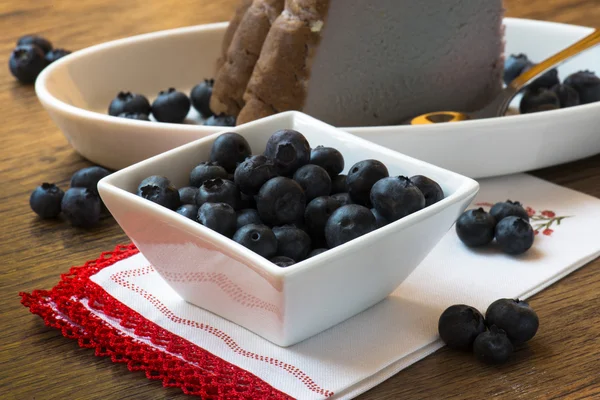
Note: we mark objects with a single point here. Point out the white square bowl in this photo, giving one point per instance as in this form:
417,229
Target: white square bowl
283,305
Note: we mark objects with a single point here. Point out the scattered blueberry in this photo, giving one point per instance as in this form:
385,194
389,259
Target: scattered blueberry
317,214
205,171
380,220
431,189
545,81
508,208
493,346
314,180
160,190
292,242
476,227
587,85
514,235
218,191
567,96
348,223
26,62
282,261
81,207
56,54
396,197
220,120
44,44
187,194
338,184
316,252
230,149
46,199
252,173
127,102
171,106
189,211
89,177
220,217
136,116
247,216
361,178
258,238
515,317
289,150
281,201
200,97
459,325
514,65
538,100
328,158
343,198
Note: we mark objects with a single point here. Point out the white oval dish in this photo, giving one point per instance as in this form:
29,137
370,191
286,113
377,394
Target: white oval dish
76,92
283,305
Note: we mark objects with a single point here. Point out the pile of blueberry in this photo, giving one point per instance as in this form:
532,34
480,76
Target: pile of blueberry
170,106
291,202
32,54
547,92
80,204
507,221
508,323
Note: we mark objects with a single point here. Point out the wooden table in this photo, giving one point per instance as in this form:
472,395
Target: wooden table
38,363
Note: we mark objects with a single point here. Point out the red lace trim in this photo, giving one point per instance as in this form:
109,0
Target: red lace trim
182,364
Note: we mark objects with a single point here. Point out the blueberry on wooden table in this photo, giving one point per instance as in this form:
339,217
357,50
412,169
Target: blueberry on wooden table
81,207
46,200
89,177
56,54
44,44
515,317
26,62
493,346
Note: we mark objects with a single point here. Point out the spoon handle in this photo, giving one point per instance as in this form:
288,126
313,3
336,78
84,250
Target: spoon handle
534,72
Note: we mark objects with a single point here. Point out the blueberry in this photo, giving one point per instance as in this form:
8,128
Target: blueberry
314,180
587,85
316,252
253,172
247,216
567,96
171,106
348,223
430,189
396,198
318,212
127,102
220,217
515,317
218,191
230,149
136,116
361,178
26,62
289,149
459,325
514,235
380,220
546,81
44,44
56,54
159,190
247,201
292,242
258,238
493,346
282,261
338,184
89,177
475,227
514,65
187,194
343,198
205,171
200,97
281,201
189,211
81,207
538,100
45,200
220,120
328,158
508,208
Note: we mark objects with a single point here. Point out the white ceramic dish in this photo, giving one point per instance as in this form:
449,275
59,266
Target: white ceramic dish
284,305
76,92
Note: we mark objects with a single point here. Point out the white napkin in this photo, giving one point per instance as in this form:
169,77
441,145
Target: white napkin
363,351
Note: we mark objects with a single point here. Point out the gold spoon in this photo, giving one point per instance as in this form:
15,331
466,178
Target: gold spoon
499,105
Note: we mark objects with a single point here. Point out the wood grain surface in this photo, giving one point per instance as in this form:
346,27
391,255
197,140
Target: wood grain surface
38,363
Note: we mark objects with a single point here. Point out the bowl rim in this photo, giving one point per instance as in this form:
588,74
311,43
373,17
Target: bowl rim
465,188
